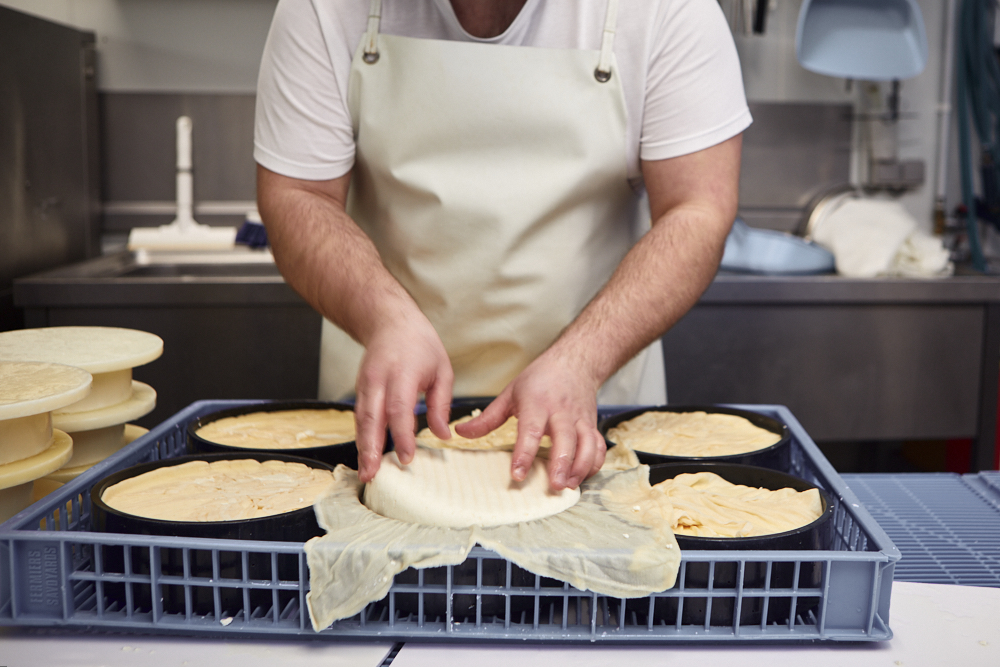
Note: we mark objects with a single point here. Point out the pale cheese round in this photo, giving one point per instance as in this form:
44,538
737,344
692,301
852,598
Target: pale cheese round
49,460
141,402
33,388
94,349
282,429
24,437
691,434
219,490
456,488
108,390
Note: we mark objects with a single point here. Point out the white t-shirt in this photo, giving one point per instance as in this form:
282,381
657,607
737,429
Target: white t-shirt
678,65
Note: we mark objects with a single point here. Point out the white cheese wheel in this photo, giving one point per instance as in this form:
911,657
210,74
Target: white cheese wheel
33,388
89,447
24,437
94,349
109,353
219,490
109,389
140,403
693,434
71,470
28,470
17,480
282,429
456,488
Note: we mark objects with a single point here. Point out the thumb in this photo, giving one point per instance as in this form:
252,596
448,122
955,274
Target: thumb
492,418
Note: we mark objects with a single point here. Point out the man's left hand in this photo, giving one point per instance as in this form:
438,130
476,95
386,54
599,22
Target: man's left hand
550,397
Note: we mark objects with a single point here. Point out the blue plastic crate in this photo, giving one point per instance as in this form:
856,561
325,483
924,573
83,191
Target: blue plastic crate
55,572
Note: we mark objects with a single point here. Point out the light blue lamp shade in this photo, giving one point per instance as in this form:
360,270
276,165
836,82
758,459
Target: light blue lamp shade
870,40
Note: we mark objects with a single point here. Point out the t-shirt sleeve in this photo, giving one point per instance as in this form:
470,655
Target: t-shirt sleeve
694,87
303,124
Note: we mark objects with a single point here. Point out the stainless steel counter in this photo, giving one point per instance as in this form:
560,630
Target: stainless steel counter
231,326
855,360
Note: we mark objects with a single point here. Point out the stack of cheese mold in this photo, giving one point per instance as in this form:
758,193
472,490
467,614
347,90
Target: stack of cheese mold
29,447
814,535
318,430
98,423
708,434
238,496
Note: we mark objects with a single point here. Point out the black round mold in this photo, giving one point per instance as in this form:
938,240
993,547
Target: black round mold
815,535
775,457
335,453
295,526
758,574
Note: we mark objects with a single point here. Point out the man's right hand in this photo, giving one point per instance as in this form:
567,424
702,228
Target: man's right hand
333,264
403,359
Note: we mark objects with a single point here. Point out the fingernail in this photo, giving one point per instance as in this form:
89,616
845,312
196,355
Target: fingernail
558,479
518,473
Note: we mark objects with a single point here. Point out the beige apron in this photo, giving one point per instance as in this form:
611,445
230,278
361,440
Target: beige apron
493,181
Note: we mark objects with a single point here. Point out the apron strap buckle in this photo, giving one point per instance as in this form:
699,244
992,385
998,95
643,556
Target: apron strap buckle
371,35
603,71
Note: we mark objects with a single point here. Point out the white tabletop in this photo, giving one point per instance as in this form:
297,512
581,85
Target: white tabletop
934,625
22,649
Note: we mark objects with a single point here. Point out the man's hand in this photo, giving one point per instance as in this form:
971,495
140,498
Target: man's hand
555,398
326,257
693,202
402,360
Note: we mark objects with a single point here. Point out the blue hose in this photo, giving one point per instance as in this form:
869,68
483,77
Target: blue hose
978,78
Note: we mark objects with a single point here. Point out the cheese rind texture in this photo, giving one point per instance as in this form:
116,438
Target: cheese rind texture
455,488
282,429
693,434
219,490
503,437
706,505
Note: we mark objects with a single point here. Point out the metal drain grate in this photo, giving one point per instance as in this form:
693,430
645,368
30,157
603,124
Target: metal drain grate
946,526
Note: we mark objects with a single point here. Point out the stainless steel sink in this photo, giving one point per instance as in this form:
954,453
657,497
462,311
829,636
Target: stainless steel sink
157,267
199,271
237,256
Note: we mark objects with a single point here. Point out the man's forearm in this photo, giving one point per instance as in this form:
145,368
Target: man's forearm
659,280
325,256
693,201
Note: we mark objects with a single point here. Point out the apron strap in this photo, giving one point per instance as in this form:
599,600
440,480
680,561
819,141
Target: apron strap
371,35
603,71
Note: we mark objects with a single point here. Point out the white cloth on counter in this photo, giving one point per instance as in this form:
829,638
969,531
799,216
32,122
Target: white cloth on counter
878,237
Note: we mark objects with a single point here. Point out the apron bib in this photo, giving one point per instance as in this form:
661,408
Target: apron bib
493,181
